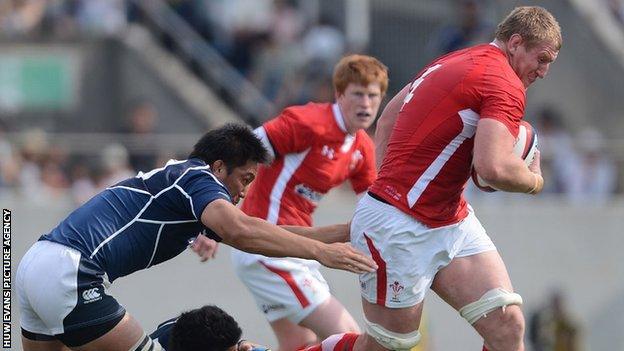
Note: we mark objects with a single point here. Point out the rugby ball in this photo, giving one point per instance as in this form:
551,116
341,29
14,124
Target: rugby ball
525,146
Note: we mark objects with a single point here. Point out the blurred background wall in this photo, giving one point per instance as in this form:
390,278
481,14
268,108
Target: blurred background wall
92,91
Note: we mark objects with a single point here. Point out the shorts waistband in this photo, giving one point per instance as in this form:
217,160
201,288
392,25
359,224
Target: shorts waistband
377,197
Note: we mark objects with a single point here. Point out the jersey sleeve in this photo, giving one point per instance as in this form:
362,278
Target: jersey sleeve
201,187
502,101
289,132
364,172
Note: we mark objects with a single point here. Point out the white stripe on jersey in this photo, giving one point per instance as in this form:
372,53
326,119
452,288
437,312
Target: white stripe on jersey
291,164
155,245
137,217
188,197
143,220
470,120
262,135
130,189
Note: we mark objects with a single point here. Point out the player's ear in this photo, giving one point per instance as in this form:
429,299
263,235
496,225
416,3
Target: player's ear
218,168
514,42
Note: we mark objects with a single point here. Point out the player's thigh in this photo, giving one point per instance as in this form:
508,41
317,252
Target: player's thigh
292,336
125,335
466,279
331,317
52,345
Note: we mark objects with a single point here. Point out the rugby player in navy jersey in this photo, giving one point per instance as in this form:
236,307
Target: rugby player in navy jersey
61,281
208,328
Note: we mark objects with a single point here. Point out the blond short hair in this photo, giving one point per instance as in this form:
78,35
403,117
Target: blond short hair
533,23
360,69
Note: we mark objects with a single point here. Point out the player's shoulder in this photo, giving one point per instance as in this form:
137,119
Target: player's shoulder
314,118
491,68
364,140
310,111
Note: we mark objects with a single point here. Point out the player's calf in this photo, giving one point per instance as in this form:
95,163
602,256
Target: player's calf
505,330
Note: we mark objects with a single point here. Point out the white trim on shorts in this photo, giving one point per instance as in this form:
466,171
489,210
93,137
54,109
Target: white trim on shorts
282,287
409,254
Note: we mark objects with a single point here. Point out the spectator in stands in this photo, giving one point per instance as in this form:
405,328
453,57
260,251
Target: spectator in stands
83,186
116,165
324,44
143,120
469,28
595,179
616,7
19,18
102,17
559,158
9,167
551,327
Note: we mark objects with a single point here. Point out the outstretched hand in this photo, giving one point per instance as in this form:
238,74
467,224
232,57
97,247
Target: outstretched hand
344,256
204,247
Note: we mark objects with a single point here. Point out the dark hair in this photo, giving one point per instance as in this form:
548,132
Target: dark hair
207,329
234,143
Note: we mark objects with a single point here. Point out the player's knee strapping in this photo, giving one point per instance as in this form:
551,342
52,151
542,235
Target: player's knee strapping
392,340
489,302
146,344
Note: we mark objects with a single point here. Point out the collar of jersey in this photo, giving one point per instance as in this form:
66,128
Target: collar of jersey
339,118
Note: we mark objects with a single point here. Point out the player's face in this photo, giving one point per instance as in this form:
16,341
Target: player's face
531,63
237,181
359,105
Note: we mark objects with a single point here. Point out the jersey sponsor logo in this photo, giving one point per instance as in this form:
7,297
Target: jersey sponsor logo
392,191
328,152
308,193
91,295
396,288
274,307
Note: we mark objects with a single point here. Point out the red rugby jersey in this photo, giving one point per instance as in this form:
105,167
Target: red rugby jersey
429,154
314,153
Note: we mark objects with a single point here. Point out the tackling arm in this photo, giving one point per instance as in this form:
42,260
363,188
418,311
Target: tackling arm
494,161
336,233
255,235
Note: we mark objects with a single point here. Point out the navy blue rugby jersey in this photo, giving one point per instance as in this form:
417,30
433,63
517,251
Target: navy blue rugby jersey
143,221
163,332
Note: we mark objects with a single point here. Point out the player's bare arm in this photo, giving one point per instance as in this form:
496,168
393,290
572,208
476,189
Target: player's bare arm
494,161
258,236
336,233
385,123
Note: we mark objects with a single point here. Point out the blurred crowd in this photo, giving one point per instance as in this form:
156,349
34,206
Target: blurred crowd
287,49
40,169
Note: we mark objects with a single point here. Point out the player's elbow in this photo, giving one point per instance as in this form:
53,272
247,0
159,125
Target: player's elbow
490,172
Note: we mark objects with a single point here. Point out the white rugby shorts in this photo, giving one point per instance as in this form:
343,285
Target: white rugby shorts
59,291
282,287
408,253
